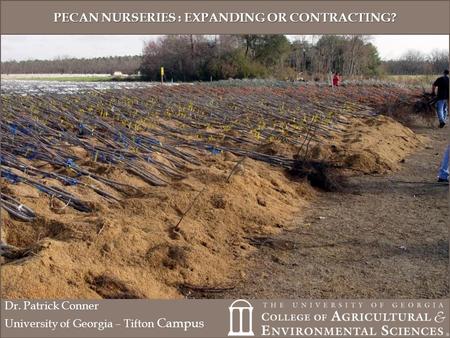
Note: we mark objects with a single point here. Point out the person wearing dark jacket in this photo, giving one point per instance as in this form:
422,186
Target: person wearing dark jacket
441,98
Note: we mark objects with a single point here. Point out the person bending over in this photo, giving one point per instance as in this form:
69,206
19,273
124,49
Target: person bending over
442,98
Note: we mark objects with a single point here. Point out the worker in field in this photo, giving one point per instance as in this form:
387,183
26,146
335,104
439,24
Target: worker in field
336,79
442,98
443,170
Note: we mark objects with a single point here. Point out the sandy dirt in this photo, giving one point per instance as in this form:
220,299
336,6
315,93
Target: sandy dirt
384,236
133,249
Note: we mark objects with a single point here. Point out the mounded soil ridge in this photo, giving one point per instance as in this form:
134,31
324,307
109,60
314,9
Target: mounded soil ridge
138,248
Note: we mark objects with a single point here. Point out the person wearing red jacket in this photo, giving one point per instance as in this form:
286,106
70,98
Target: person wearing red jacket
336,80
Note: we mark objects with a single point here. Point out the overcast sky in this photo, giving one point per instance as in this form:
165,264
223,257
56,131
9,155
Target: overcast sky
25,47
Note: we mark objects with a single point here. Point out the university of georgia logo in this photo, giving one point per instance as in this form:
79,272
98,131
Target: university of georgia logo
241,318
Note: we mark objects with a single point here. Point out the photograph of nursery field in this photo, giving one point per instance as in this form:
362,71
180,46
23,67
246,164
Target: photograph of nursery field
231,166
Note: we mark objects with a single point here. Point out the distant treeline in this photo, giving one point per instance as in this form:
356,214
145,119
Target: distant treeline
102,65
216,57
202,57
413,63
